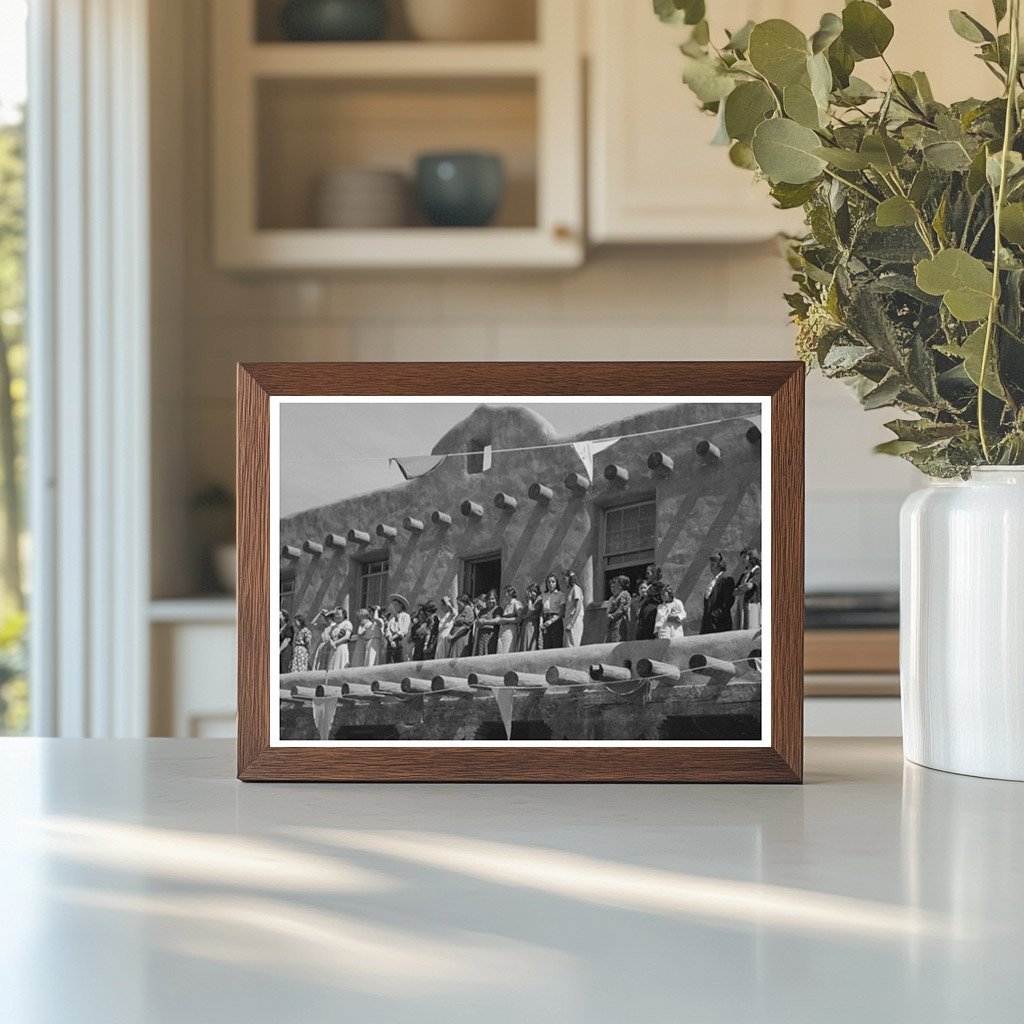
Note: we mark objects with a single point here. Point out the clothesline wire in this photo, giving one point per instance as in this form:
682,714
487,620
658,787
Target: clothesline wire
523,448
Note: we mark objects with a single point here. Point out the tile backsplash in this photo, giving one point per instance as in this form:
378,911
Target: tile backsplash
720,302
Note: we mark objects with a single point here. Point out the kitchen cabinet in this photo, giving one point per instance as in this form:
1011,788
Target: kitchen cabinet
653,175
192,667
286,113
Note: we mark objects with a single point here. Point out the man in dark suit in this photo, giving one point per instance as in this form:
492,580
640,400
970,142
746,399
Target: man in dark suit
718,598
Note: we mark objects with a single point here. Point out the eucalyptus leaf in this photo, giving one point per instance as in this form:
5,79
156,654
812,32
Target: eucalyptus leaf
866,29
844,159
947,156
1012,225
841,60
923,431
745,108
739,41
922,185
976,172
1014,169
924,87
676,12
972,353
819,75
969,28
741,155
786,152
883,153
789,197
895,212
829,30
895,447
800,105
779,51
963,281
884,395
708,81
857,91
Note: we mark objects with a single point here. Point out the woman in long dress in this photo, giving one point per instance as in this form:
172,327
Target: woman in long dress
461,633
445,623
553,607
487,625
747,611
668,623
529,630
301,643
574,609
341,633
360,639
617,610
285,632
424,632
511,613
322,652
375,639
647,609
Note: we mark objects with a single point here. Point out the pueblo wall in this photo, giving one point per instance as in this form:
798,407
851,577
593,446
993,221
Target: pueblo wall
703,504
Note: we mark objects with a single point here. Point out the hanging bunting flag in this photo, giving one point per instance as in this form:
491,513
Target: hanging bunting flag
417,465
323,715
504,696
586,450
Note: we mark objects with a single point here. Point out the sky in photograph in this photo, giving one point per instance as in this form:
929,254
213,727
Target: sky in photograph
333,451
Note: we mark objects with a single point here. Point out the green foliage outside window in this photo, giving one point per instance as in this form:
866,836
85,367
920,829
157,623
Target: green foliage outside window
13,414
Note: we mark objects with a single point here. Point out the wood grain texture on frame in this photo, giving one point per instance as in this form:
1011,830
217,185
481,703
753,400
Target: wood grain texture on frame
783,382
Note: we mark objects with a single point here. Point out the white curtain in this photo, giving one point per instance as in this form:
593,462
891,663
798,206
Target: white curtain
88,320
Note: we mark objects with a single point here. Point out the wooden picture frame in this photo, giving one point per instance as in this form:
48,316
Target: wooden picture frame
780,385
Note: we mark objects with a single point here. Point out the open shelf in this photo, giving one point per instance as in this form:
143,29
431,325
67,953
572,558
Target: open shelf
393,60
308,127
520,17
288,113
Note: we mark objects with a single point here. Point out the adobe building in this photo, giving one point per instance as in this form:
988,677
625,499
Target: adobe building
680,482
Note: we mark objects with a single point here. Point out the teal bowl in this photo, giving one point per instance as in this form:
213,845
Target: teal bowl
334,21
460,190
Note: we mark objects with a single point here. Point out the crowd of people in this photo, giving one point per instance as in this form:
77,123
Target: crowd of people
544,617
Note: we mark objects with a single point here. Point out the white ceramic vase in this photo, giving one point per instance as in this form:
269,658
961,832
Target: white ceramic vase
962,624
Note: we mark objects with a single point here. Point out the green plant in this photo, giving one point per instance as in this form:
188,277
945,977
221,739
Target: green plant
911,275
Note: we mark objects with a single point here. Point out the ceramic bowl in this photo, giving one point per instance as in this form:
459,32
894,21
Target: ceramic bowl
460,189
334,20
359,197
469,20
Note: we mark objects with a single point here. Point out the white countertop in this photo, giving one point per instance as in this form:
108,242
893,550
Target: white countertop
143,885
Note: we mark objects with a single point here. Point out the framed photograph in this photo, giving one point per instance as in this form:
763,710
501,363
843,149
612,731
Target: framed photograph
520,572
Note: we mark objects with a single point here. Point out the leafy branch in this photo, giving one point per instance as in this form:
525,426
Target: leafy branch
909,279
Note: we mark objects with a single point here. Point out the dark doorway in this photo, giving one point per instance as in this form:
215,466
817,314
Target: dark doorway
710,727
636,573
480,575
520,731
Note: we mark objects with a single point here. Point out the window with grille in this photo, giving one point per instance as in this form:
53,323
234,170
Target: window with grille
628,540
373,583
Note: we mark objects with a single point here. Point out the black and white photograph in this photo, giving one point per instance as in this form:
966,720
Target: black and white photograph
563,571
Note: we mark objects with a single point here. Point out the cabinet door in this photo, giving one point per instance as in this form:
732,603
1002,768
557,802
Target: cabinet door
653,174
